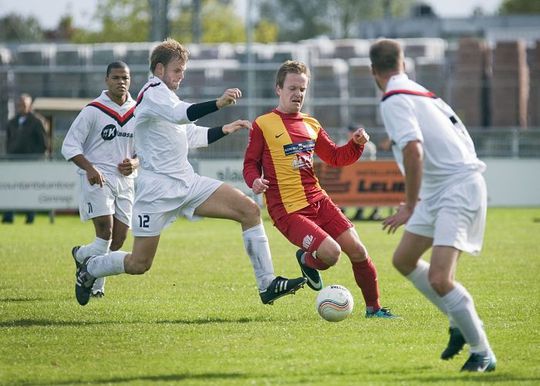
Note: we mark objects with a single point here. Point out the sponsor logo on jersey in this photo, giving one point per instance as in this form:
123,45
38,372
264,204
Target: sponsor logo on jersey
300,147
306,243
302,161
108,133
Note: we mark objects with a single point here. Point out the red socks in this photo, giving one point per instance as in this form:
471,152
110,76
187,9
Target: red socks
313,262
365,275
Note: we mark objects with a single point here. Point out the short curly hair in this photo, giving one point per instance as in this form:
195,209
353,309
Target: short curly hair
166,51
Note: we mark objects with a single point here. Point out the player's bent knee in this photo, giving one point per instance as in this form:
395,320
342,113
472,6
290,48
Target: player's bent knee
440,283
358,254
137,266
401,265
249,212
329,252
252,209
332,260
117,243
139,269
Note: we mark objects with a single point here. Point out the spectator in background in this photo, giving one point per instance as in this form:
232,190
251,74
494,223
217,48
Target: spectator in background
26,139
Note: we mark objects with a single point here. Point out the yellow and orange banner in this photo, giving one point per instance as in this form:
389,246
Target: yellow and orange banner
364,183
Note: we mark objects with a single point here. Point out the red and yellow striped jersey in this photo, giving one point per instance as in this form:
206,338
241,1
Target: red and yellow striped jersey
281,149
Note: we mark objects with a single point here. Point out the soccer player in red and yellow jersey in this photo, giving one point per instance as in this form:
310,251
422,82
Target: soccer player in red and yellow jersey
279,163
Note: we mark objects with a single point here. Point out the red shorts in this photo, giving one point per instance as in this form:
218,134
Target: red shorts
308,227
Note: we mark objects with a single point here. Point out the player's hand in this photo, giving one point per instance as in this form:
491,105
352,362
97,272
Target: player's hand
235,126
260,185
229,97
95,177
403,214
128,166
360,136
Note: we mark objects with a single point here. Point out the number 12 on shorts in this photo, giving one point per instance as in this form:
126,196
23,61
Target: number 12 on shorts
143,220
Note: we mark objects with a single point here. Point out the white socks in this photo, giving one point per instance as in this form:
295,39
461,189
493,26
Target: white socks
457,305
258,250
419,277
107,265
460,306
97,247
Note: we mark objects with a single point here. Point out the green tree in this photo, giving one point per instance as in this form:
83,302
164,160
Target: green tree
121,21
15,28
509,7
265,32
129,21
220,22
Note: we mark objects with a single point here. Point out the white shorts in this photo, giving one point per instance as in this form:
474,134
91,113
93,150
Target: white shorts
160,200
456,217
114,198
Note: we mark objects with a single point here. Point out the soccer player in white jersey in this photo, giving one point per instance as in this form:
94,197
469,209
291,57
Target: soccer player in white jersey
100,142
446,199
168,187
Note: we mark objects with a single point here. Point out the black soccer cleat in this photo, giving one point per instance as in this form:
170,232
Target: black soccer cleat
313,277
480,363
455,344
280,287
83,284
74,254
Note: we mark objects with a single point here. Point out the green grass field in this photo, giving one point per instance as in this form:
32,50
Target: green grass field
196,317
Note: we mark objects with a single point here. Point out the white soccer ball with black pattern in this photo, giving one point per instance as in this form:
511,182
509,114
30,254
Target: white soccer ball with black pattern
334,303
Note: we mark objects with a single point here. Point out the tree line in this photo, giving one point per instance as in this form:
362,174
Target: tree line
215,21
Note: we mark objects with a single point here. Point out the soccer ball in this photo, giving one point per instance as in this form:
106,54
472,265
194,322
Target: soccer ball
334,303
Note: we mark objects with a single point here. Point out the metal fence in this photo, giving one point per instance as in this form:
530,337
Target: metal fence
342,91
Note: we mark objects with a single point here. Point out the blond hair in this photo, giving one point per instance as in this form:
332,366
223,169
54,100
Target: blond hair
166,51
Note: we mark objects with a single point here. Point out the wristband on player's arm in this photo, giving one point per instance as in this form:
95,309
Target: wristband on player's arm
215,133
199,110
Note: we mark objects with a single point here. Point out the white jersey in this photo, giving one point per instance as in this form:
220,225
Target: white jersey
410,112
164,134
103,133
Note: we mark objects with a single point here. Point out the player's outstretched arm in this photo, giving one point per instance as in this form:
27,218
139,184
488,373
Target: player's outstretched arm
229,97
199,110
236,125
219,132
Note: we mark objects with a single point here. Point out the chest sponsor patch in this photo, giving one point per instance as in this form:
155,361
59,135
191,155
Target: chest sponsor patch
108,132
300,147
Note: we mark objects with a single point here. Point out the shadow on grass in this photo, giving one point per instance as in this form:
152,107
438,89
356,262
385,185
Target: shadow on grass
475,378
17,300
211,378
60,323
212,320
47,323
